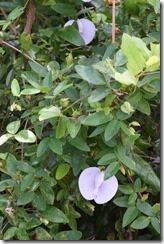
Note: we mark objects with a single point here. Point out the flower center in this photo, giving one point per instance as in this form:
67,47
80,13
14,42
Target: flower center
99,179
80,26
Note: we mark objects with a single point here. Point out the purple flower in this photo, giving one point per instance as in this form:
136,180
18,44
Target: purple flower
93,186
86,28
86,1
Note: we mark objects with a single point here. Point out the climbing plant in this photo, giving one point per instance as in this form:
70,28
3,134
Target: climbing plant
79,120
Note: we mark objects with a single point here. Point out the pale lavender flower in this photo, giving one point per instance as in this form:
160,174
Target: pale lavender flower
9,210
48,68
86,1
92,185
86,28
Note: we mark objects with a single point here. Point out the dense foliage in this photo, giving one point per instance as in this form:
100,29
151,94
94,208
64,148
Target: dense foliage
66,106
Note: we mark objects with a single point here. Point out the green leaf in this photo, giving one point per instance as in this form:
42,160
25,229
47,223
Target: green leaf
127,161
126,189
62,170
145,172
61,87
73,128
98,130
107,159
15,13
33,223
27,180
111,170
130,214
119,58
9,233
98,94
71,235
145,208
39,203
49,112
37,68
156,224
47,192
55,145
25,136
30,91
15,88
13,127
156,207
111,129
126,78
26,197
78,161
72,35
136,60
140,223
31,78
25,167
88,73
132,198
5,138
95,119
148,79
54,215
121,201
79,143
42,147
42,234
64,9
144,107
22,234
5,184
61,127
155,4
137,185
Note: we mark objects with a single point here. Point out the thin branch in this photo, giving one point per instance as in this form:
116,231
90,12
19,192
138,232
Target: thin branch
113,20
19,51
11,25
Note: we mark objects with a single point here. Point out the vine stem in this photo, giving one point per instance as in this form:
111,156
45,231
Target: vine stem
113,20
19,51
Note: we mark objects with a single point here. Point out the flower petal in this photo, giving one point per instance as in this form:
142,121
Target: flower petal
70,22
87,182
86,1
89,30
107,190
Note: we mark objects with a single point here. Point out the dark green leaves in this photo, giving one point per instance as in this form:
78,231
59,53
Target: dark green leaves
72,35
111,170
54,215
146,173
126,160
140,223
88,73
130,214
71,235
95,119
42,234
47,192
64,9
111,129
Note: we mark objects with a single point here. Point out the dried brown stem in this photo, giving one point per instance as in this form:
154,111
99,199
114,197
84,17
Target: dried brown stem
30,16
